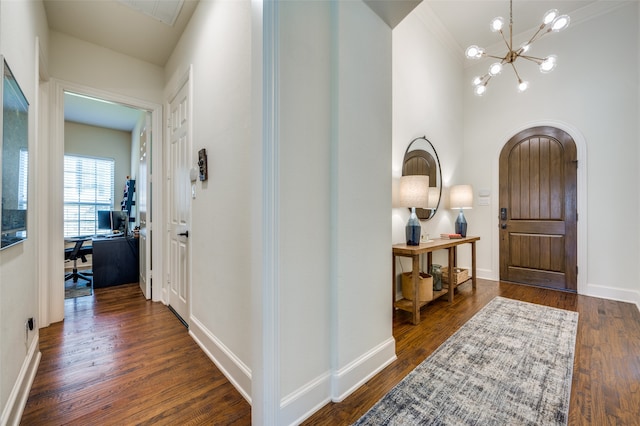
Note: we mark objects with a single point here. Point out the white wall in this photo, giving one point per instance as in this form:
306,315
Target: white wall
362,337
20,24
333,120
217,43
92,141
90,65
304,193
427,101
593,93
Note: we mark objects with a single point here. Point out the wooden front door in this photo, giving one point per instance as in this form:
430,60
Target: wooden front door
538,216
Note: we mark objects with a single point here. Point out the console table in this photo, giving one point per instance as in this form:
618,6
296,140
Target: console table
414,253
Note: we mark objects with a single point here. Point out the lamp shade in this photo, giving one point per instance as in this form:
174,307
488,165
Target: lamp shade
414,191
461,197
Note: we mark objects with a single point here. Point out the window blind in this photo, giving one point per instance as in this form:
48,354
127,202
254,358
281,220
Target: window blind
88,187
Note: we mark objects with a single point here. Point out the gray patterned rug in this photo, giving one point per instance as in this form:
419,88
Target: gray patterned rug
511,364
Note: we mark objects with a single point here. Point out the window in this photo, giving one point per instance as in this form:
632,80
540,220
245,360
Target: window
88,187
23,179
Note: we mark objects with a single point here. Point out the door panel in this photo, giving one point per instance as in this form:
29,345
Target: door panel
144,208
179,203
538,190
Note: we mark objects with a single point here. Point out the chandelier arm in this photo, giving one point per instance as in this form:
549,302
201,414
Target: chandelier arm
532,59
505,40
535,36
502,58
516,72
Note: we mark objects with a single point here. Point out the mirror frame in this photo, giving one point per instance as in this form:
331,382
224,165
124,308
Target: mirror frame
422,151
14,160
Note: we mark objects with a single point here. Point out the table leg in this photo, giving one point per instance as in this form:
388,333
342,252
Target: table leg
473,264
452,263
393,284
415,276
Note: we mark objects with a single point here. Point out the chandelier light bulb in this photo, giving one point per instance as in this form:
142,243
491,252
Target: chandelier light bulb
480,89
497,24
476,80
495,68
474,52
525,48
550,16
548,64
560,23
523,86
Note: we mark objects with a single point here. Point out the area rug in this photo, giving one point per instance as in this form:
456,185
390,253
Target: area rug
79,289
511,364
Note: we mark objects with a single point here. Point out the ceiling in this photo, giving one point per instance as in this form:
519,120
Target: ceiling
468,20
126,27
114,25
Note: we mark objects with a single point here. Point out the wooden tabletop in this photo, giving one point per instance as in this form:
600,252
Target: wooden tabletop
436,244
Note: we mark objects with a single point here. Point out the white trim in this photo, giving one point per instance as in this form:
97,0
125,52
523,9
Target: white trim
12,412
181,80
614,293
265,282
238,373
306,400
55,290
581,206
353,375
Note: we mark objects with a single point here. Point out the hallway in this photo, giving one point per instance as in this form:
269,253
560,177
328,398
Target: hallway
120,359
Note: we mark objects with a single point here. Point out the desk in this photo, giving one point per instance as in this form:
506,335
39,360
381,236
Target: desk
414,253
115,261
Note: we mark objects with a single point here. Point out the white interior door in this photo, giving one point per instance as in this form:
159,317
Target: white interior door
144,208
179,201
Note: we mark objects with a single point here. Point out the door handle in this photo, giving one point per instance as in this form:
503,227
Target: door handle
184,234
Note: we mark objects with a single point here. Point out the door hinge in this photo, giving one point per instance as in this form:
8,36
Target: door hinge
576,216
576,269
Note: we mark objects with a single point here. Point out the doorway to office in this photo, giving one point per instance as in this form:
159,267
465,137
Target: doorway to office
148,156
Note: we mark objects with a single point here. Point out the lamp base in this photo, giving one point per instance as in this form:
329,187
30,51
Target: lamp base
413,229
461,225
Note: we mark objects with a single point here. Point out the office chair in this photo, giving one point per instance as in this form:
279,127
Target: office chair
73,253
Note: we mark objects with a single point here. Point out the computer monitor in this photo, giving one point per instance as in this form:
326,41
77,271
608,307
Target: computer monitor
120,221
104,220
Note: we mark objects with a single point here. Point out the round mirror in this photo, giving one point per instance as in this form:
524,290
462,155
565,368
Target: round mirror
421,158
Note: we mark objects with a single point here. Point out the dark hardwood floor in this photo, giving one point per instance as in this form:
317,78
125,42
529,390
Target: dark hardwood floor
606,374
119,359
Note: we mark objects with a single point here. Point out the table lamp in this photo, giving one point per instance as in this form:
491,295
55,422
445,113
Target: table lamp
461,197
414,192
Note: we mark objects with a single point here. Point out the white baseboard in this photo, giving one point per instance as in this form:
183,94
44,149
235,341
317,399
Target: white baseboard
349,378
614,293
299,405
231,366
12,412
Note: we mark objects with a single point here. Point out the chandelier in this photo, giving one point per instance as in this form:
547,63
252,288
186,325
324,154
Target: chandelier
552,21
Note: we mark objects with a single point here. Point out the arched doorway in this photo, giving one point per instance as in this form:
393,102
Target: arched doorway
538,209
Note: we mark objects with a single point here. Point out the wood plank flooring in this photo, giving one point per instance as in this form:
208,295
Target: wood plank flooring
606,376
119,359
